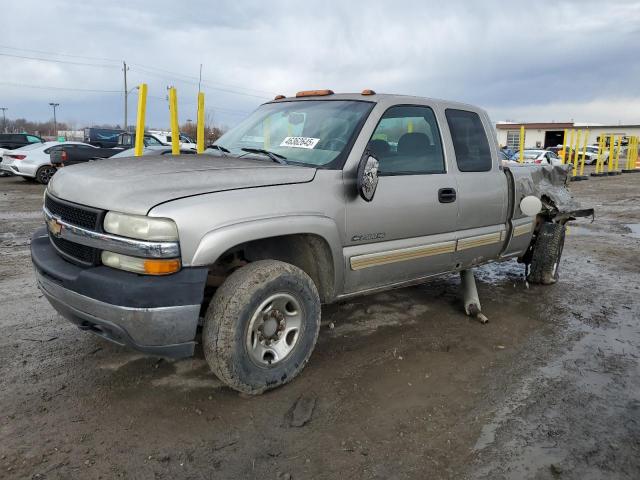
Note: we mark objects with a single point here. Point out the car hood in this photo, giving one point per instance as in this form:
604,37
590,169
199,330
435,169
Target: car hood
136,185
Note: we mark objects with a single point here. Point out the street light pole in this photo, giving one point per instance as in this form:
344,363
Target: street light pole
4,119
55,122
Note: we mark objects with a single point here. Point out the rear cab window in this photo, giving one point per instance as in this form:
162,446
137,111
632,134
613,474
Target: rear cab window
469,141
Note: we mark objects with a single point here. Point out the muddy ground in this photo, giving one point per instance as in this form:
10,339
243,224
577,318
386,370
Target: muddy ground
403,386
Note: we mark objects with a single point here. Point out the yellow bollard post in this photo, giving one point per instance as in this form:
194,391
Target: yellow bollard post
584,152
617,159
200,126
569,155
175,127
610,159
600,160
266,132
563,157
521,159
575,156
142,110
410,126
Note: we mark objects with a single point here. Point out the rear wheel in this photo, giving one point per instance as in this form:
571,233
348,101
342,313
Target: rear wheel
261,326
547,251
44,173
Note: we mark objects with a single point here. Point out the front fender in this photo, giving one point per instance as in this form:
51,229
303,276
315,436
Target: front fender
214,243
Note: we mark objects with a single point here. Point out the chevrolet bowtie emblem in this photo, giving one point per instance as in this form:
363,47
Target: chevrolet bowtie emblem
54,227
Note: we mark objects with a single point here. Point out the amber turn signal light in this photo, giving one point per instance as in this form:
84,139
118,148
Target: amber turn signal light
314,93
367,91
161,267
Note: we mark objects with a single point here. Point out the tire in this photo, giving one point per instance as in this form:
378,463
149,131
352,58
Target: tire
547,251
44,174
235,346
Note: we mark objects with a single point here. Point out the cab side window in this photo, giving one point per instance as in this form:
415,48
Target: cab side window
32,139
469,141
407,142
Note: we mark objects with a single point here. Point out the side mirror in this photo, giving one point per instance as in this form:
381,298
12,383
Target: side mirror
367,177
530,206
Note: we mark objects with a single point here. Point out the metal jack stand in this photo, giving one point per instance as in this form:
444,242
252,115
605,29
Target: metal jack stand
470,294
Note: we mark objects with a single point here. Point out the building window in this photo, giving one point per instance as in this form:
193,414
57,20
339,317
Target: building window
513,139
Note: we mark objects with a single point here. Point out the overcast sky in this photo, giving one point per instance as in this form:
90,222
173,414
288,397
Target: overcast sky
521,60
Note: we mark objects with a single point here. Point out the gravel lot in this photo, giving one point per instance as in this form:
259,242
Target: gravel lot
403,386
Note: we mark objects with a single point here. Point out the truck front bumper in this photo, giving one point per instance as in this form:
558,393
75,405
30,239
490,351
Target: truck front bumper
156,315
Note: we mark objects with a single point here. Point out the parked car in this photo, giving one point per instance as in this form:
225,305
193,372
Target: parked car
102,137
591,155
33,162
11,141
538,157
186,142
59,162
128,140
73,154
346,195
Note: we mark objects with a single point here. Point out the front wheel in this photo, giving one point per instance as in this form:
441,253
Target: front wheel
44,174
261,326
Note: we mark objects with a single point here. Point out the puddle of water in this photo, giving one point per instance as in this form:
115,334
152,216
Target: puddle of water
634,228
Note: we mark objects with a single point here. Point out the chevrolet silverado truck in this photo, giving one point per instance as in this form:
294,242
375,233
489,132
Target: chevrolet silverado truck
310,200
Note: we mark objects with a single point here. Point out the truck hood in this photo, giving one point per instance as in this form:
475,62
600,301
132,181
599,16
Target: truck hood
136,185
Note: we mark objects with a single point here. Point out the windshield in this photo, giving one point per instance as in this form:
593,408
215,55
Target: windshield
312,132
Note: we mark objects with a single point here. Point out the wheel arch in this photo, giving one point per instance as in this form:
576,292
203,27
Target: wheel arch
311,243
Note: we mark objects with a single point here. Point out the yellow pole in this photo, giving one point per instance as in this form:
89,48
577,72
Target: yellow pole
175,128
266,132
568,159
142,109
564,146
610,159
575,156
584,151
200,126
599,160
615,166
521,160
410,126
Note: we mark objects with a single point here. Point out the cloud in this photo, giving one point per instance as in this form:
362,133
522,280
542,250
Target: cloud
519,59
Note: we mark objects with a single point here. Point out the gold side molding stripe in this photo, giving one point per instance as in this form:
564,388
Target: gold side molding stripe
479,241
522,229
392,256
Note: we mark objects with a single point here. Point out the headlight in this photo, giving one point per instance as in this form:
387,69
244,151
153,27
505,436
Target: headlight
145,266
141,227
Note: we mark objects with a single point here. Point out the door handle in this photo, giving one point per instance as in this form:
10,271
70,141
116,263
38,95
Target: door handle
447,195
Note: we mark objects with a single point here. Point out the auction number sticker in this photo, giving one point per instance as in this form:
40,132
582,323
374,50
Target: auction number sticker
300,142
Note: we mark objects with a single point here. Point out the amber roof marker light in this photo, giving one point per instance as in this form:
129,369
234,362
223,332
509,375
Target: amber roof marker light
279,97
314,93
367,91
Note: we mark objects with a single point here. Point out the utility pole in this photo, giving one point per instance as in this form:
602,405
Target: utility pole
126,93
55,122
4,119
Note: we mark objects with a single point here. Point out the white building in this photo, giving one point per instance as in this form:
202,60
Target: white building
544,135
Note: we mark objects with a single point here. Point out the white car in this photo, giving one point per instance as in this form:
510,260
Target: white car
186,142
542,157
33,162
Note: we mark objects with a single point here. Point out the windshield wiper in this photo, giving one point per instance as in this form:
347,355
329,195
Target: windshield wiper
220,147
276,157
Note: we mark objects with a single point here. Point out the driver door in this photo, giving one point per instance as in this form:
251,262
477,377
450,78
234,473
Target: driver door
408,230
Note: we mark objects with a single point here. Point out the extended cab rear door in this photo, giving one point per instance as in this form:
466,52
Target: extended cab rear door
482,187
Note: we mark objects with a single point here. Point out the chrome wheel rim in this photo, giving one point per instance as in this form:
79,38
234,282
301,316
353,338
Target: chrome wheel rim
274,330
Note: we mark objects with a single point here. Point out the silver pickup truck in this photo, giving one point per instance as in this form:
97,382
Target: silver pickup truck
312,199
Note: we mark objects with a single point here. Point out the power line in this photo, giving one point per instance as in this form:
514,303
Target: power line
69,62
47,87
144,68
7,47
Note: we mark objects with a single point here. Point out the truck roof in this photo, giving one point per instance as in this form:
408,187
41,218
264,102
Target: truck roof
386,98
